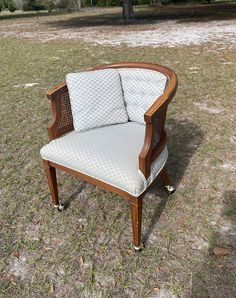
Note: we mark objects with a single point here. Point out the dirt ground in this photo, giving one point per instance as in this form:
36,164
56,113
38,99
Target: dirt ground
85,250
188,27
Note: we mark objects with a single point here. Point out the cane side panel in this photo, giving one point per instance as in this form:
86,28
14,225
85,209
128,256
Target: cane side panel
62,121
66,114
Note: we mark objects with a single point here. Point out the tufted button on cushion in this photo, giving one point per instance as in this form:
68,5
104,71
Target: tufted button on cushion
141,88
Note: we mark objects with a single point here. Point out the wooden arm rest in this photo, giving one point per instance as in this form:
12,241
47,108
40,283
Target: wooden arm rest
53,93
155,117
162,102
151,149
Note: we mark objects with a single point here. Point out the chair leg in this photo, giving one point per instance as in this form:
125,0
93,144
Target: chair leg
136,215
166,181
52,184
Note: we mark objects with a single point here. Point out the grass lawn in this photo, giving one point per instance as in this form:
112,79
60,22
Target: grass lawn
85,250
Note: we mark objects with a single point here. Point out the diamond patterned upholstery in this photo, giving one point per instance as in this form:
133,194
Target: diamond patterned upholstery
96,99
107,153
141,88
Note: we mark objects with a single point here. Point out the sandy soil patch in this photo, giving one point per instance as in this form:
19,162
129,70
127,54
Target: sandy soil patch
204,107
172,34
168,33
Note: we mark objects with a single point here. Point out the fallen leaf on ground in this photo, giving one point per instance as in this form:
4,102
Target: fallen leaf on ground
16,254
220,252
156,289
181,230
8,276
57,242
65,291
81,260
51,290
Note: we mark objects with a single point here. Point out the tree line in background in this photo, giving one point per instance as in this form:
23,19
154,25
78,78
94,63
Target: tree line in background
6,4
36,5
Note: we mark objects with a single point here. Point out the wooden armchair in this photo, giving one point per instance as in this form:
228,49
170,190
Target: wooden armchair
148,145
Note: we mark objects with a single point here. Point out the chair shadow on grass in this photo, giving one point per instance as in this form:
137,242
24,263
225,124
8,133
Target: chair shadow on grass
184,138
75,194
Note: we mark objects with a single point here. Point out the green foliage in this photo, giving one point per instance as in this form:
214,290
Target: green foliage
62,4
103,3
166,2
112,3
143,2
12,7
50,7
34,5
49,4
4,4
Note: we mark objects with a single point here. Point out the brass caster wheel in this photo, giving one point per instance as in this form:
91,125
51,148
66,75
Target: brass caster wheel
60,207
170,189
137,248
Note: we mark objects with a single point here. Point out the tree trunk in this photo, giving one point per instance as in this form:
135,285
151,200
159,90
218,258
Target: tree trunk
127,12
79,4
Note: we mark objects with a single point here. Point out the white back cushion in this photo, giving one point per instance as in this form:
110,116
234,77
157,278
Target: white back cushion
141,87
96,99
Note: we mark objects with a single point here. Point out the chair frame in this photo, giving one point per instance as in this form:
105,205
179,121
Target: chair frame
154,117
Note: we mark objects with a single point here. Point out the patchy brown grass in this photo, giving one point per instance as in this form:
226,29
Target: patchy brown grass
85,251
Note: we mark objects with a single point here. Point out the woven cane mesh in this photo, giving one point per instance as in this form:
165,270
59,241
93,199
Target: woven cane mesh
156,138
66,114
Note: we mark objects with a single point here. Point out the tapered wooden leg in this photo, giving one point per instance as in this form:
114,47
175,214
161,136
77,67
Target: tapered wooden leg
166,181
165,177
136,214
52,182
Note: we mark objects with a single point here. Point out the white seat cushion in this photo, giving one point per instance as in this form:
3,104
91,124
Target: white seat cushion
96,99
107,153
141,88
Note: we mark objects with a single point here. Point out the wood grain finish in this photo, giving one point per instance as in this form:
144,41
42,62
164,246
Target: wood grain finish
154,141
52,181
165,177
136,216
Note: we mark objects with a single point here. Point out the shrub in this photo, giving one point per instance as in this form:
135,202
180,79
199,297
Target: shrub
34,5
28,5
49,4
105,3
143,2
1,6
12,7
50,7
61,4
